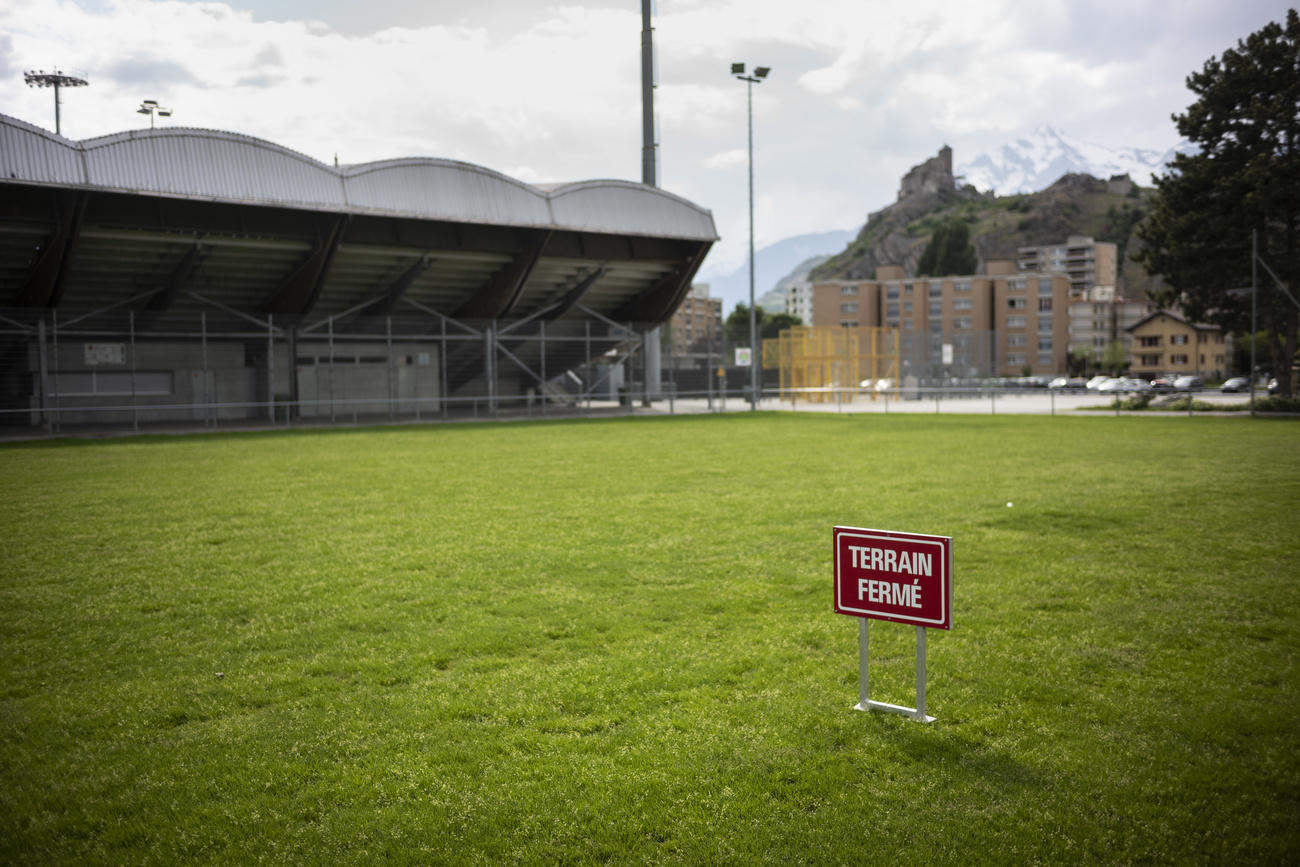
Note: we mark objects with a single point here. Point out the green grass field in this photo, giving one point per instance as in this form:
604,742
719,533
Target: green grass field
613,640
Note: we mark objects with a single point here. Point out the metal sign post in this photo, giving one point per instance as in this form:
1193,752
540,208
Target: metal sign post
865,703
901,577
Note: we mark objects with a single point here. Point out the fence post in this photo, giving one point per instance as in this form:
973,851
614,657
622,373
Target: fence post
331,334
388,333
47,420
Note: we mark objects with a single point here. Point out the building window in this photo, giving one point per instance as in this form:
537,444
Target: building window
1015,322
848,290
936,308
1178,339
1044,324
907,288
961,304
891,310
1178,359
1150,360
1016,285
1015,340
1044,305
1044,287
961,323
849,308
936,289
848,323
907,325
936,327
961,286
1015,358
907,306
891,291
1017,303
1044,344
1149,341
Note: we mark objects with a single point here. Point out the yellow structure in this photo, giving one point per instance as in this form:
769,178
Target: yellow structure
823,364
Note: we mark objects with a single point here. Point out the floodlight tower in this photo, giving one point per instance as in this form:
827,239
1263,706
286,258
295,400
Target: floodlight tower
760,73
55,79
151,108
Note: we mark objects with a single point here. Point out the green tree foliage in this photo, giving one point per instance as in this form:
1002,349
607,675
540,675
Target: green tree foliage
1114,359
735,329
770,325
949,252
1246,176
775,323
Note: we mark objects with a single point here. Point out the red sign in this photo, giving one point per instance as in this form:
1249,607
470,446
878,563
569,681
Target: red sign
886,575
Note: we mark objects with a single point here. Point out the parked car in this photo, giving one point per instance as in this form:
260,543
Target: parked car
1272,385
1162,384
1237,383
1112,385
1187,383
1095,383
1124,385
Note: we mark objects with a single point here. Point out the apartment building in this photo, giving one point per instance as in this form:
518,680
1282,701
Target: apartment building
1096,324
1091,266
697,323
1030,319
1164,343
993,324
798,301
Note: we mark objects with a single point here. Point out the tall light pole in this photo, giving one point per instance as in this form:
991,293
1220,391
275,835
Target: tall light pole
760,73
151,108
56,80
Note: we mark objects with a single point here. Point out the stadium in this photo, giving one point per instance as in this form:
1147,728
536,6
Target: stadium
198,276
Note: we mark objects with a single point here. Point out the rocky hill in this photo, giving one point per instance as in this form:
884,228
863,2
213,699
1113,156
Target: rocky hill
1076,204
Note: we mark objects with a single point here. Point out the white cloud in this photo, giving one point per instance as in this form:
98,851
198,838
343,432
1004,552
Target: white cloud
727,159
860,91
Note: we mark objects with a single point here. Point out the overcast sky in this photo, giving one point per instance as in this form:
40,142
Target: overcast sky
860,90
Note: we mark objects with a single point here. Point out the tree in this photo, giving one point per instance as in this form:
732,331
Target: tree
775,323
1245,177
736,328
1114,359
949,251
770,325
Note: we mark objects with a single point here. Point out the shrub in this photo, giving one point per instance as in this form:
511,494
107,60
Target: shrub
1278,404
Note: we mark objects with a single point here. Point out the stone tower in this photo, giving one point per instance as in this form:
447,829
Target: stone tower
932,176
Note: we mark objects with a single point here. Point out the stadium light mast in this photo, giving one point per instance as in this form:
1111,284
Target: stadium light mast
760,73
649,81
56,80
151,108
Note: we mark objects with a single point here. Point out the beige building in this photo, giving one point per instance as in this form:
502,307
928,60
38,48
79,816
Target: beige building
1031,321
697,324
997,323
1164,343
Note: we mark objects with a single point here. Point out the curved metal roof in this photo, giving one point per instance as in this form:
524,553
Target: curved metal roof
211,165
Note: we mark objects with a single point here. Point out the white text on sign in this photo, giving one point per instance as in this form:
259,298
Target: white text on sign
889,560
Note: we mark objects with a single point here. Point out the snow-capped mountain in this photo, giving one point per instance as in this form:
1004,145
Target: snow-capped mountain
1035,161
